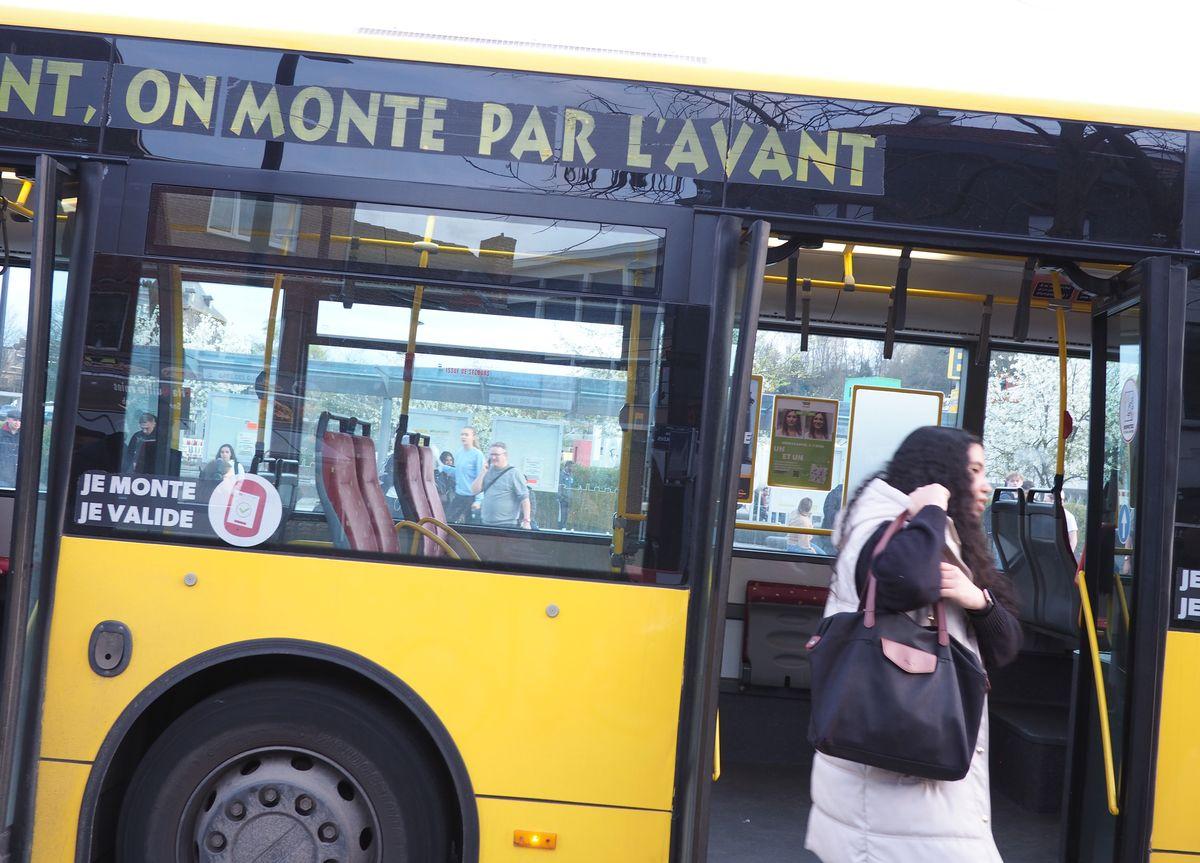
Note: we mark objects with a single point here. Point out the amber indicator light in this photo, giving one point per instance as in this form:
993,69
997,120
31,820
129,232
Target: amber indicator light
535,839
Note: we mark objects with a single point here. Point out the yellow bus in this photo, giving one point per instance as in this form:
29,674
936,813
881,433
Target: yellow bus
275,309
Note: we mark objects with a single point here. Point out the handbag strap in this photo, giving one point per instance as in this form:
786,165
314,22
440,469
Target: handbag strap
867,603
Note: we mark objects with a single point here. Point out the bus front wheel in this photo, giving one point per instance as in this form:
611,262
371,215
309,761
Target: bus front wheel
284,770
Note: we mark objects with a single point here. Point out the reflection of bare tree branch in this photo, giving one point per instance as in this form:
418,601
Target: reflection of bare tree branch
508,172
1144,173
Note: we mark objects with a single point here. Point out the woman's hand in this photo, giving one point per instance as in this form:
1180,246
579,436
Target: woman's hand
956,587
928,495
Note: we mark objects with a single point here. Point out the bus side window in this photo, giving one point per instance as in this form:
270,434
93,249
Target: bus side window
815,387
269,410
14,297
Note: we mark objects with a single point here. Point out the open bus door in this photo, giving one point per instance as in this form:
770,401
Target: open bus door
65,213
1137,364
738,269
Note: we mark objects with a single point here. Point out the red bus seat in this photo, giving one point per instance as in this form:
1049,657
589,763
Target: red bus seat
429,486
410,487
780,618
340,492
379,514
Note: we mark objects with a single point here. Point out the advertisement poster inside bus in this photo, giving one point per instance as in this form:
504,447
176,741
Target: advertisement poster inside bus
802,445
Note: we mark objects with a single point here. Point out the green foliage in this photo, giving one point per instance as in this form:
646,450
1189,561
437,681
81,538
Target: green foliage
592,501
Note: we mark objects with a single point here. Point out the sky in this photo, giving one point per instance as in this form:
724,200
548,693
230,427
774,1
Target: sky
1098,51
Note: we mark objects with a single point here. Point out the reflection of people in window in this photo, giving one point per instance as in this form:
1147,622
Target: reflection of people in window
505,491
215,470
817,426
139,455
802,517
10,446
788,423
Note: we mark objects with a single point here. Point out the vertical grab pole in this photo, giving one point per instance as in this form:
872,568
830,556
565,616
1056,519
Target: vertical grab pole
260,444
175,371
269,350
631,361
1061,320
414,319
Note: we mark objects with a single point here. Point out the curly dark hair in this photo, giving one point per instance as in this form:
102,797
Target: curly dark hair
938,454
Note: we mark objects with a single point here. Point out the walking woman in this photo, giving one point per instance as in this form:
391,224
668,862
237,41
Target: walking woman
863,814
215,470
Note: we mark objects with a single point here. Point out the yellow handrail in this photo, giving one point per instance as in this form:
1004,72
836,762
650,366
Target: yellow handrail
422,531
454,534
19,209
929,293
716,774
1110,779
782,528
1121,598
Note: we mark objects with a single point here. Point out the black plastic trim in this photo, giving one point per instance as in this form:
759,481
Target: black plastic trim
950,238
724,423
289,647
675,221
569,803
18,585
1164,292
784,556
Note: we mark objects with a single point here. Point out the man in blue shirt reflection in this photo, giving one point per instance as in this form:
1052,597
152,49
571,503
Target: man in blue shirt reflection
468,465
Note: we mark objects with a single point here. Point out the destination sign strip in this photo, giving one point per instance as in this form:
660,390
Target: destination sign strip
702,148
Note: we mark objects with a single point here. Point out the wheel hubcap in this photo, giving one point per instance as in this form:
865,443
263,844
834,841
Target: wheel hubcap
282,806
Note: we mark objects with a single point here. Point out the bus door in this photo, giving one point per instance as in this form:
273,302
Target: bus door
738,269
50,215
1137,361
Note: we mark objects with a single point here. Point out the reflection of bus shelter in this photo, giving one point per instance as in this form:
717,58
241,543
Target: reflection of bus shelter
632,265
575,396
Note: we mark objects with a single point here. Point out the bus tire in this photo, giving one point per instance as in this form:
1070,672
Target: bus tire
285,770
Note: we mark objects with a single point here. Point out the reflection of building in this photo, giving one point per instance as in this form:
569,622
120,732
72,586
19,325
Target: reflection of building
381,238
627,267
12,365
197,305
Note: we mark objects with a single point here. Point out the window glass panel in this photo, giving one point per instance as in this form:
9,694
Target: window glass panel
1020,433
18,188
444,328
829,369
14,321
557,394
510,250
187,395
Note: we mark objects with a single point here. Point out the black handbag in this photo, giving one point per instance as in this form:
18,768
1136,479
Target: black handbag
893,694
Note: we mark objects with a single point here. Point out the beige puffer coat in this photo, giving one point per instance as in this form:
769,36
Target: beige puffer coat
864,814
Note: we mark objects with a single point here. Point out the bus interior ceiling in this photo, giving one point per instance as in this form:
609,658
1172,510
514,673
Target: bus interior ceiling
760,804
